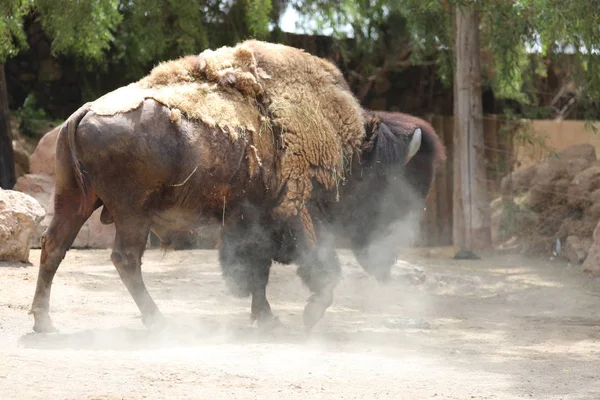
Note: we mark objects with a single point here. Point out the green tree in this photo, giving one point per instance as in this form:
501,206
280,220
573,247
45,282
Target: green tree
496,36
126,35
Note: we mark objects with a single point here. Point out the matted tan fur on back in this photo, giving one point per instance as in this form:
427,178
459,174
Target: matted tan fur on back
305,97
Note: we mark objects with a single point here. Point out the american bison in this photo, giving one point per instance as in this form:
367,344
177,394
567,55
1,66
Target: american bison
150,167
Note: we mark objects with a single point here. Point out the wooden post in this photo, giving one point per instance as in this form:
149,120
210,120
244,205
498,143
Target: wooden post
472,228
441,179
449,172
7,160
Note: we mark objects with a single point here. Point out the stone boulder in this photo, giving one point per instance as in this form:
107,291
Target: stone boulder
585,152
42,159
21,156
517,181
93,233
576,249
592,262
563,192
20,214
584,183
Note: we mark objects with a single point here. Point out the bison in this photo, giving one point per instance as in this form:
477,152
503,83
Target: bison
149,173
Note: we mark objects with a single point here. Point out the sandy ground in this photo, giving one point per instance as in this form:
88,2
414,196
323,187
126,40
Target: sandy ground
498,328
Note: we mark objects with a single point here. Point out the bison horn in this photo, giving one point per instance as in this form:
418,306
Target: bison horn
415,144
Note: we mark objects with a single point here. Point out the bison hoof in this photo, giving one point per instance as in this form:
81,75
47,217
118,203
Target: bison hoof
43,324
316,306
313,312
155,321
265,319
270,325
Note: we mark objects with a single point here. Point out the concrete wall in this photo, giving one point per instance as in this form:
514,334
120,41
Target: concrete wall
557,135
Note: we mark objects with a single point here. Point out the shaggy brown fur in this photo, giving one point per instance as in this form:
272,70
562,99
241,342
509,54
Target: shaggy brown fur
262,88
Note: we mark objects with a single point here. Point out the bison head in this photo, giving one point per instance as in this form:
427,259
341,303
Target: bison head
398,161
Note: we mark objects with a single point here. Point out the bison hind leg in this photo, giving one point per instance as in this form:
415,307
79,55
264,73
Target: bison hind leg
70,214
130,243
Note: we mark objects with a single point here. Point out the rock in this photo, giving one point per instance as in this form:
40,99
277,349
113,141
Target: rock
592,262
593,211
576,249
575,166
540,196
582,185
19,171
584,151
41,188
549,171
93,234
561,190
538,245
20,214
42,159
576,227
518,181
21,156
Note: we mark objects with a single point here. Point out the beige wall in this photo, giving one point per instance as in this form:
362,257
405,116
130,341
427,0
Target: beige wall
558,135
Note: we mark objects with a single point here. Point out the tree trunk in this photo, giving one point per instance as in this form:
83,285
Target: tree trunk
7,160
472,228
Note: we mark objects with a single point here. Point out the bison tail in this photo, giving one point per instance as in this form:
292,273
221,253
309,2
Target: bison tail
69,128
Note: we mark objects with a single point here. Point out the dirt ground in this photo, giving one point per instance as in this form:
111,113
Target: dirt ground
498,328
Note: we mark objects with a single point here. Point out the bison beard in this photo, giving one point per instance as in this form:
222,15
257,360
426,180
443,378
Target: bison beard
182,171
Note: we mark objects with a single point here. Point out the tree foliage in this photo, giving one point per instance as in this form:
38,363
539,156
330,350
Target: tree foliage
518,37
134,32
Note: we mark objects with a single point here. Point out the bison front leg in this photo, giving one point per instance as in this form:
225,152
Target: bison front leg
245,256
320,269
130,243
377,260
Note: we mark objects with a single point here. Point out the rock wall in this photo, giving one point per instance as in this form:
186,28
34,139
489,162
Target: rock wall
553,208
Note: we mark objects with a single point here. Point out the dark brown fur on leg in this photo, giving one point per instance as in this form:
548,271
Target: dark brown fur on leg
245,255
130,244
55,242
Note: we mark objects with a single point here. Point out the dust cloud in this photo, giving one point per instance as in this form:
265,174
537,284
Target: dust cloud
497,328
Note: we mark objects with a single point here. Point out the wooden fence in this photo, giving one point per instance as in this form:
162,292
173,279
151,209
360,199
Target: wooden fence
436,223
